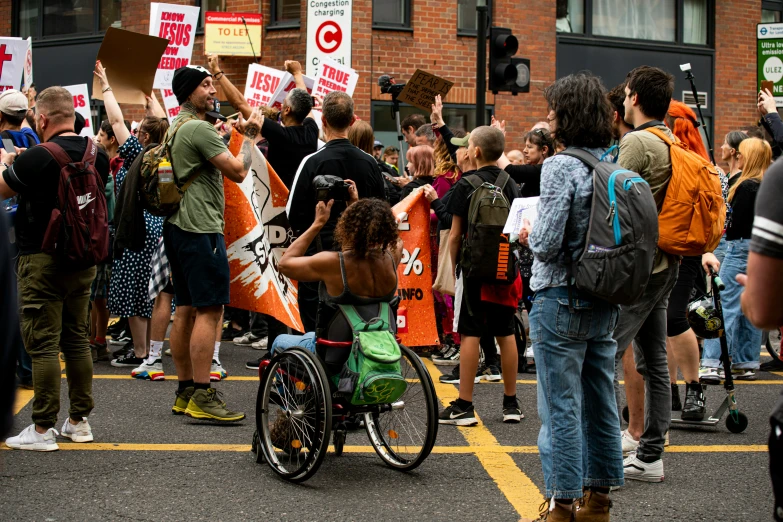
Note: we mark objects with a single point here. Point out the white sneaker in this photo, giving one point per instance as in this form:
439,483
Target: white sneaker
217,373
260,344
710,375
529,352
77,432
443,360
635,469
151,370
31,440
629,444
246,340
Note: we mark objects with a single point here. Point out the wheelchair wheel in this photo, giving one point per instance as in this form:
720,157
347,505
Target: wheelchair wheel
403,436
294,414
772,349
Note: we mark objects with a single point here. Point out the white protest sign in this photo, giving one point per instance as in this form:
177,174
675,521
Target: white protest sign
13,52
328,33
262,82
170,104
81,104
285,87
28,64
176,23
333,76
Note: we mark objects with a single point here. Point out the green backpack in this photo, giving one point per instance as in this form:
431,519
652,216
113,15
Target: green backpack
372,374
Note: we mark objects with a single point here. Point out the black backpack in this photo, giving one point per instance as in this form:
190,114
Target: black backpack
619,252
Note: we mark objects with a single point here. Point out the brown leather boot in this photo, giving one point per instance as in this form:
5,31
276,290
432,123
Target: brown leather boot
593,508
559,514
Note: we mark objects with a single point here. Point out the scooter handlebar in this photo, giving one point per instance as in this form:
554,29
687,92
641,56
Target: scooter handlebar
718,282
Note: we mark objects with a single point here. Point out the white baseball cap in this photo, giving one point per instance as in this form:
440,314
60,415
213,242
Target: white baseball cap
13,101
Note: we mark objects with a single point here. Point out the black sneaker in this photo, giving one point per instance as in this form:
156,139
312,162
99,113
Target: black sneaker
125,350
695,402
676,403
450,378
117,327
456,416
127,360
774,365
229,334
253,365
512,413
123,337
489,373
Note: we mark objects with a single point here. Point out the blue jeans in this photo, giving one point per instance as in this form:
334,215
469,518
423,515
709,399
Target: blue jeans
286,341
579,442
720,251
743,338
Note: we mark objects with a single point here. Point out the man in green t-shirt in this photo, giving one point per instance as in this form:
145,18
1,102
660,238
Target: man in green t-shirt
194,241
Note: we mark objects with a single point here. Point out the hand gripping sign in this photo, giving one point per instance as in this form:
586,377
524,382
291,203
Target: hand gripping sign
416,313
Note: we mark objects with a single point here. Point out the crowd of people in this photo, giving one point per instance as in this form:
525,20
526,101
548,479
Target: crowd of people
347,251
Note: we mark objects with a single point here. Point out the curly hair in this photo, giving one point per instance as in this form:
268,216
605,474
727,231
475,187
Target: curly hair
582,112
541,138
444,165
683,123
366,225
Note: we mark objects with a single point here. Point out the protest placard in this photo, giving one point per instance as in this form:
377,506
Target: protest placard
333,76
170,104
177,24
329,30
28,64
285,87
131,60
13,52
422,88
81,104
232,34
262,82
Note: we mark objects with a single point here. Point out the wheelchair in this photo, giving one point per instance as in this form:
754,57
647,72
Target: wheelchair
298,410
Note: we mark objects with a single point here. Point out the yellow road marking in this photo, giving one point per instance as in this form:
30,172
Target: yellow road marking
174,377
22,398
523,495
717,449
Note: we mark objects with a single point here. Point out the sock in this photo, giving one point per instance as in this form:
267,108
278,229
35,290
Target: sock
509,400
181,385
216,353
202,386
647,460
100,340
155,349
463,405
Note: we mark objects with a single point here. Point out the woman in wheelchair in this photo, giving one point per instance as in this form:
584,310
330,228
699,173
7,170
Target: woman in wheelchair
363,273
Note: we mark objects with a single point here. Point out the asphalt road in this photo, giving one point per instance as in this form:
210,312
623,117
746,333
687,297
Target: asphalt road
147,464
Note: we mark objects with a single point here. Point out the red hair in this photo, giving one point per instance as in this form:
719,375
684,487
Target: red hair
683,123
422,161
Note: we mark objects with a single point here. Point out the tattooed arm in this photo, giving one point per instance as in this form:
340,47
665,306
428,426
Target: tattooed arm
236,168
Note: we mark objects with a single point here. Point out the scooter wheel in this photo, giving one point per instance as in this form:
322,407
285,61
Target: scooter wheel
625,414
739,425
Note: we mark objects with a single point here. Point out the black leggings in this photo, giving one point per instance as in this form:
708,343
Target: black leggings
677,313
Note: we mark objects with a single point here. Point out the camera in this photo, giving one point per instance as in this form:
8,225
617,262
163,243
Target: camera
686,67
388,86
330,187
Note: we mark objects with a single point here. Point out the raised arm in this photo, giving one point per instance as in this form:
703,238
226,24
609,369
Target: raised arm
234,97
153,107
295,68
113,111
236,168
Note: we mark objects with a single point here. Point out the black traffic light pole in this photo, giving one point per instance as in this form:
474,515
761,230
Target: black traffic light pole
481,62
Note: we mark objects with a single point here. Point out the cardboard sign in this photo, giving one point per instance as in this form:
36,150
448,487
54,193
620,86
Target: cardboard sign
231,34
257,233
28,64
131,60
81,104
416,313
328,34
262,83
333,76
285,87
177,24
170,104
13,52
422,88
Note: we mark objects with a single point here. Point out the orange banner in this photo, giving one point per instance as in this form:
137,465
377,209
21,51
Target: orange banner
257,233
416,314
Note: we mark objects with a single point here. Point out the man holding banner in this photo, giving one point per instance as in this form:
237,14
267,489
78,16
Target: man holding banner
194,240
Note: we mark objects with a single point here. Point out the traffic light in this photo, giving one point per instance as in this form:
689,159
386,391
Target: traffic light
506,74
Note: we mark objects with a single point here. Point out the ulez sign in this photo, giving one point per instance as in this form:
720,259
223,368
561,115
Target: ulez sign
769,58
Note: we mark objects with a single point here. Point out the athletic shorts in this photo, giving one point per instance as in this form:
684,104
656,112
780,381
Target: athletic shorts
199,267
100,285
475,317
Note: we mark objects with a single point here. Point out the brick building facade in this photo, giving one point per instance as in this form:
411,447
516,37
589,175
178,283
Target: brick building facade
432,41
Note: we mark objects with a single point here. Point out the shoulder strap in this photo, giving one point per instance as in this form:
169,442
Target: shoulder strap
582,155
57,152
474,180
342,273
90,152
502,179
352,316
658,132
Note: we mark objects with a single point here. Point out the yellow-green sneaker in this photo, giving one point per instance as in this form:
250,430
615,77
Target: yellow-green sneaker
207,405
183,398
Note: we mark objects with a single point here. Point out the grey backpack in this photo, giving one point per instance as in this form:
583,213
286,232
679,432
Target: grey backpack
622,235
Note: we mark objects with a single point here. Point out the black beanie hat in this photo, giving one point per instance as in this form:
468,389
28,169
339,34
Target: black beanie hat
185,81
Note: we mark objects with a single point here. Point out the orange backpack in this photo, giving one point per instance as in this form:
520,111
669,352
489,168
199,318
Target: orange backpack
691,220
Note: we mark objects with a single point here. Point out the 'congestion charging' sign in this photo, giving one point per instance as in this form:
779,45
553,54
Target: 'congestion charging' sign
328,32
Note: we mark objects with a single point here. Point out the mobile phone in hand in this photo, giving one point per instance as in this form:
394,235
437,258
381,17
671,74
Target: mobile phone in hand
767,85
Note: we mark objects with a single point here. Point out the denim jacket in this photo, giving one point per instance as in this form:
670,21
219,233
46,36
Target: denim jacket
563,218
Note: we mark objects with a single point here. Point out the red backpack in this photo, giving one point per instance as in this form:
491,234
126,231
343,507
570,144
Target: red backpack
78,230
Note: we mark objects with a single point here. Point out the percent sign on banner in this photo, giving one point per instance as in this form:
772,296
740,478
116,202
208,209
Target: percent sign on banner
412,262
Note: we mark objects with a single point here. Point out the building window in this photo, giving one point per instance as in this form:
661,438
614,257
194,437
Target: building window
771,11
637,19
286,12
467,17
53,18
209,5
391,13
694,22
570,16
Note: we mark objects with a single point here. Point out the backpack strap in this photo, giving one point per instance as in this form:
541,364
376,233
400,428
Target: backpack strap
502,179
662,135
582,155
58,153
360,325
